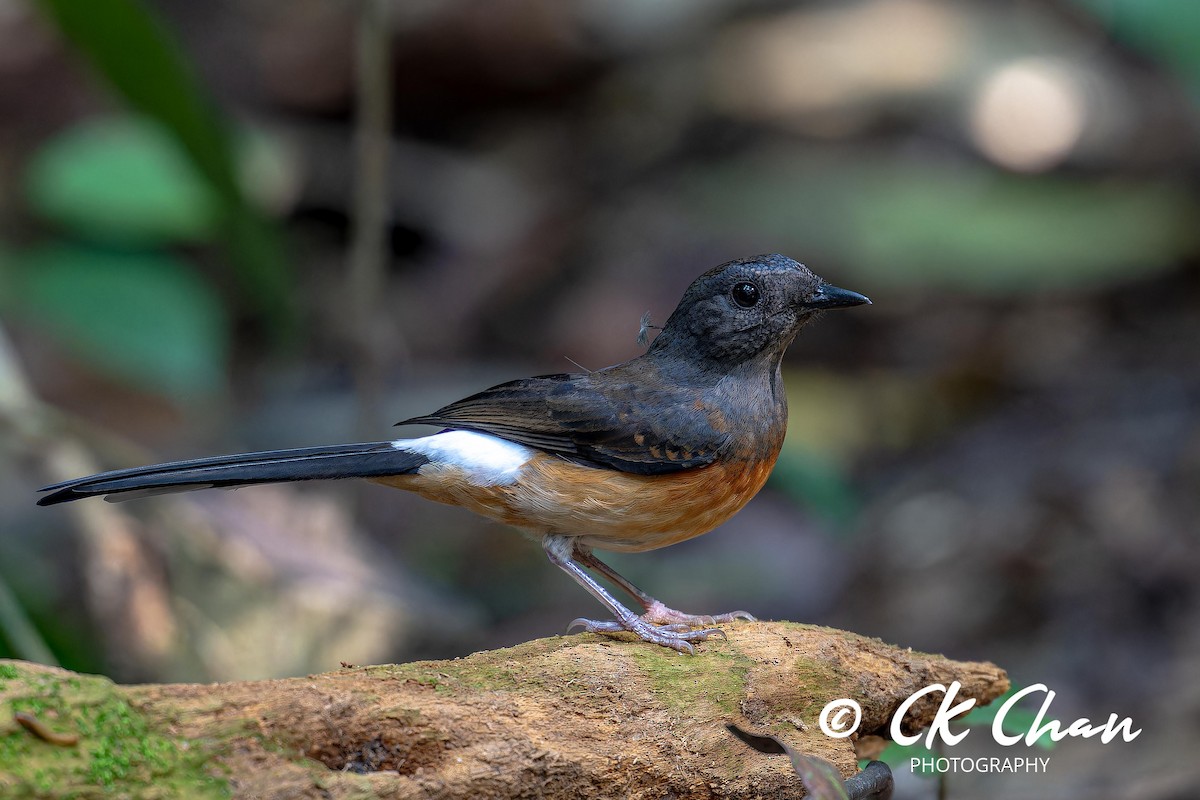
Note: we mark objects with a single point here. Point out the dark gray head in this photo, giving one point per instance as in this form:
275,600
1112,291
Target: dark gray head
748,308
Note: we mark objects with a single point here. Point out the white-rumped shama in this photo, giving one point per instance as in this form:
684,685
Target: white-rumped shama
647,453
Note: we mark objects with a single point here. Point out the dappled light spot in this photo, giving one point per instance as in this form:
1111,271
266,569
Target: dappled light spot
1029,114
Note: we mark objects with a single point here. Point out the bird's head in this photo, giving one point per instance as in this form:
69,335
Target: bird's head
748,308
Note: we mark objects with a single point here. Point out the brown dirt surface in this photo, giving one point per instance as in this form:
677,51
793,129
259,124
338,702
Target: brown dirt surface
577,716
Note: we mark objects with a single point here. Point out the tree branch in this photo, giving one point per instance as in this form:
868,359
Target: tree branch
575,716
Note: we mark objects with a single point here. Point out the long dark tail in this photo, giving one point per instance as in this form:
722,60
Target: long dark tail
369,460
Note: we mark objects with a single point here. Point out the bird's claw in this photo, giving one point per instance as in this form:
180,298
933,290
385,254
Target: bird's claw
677,636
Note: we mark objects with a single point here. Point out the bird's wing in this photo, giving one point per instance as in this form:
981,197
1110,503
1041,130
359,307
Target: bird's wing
619,424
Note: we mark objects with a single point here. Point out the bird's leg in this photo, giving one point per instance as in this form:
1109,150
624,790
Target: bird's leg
561,551
655,611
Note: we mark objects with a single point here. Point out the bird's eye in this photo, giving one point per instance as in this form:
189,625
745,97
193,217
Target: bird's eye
745,294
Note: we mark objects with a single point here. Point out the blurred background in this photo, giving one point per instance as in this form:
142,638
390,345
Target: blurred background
249,225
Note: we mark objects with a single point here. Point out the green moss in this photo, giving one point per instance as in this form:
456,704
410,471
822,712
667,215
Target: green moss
492,670
710,676
817,682
119,751
672,677
489,675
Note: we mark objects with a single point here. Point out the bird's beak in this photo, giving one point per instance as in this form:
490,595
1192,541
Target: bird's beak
829,296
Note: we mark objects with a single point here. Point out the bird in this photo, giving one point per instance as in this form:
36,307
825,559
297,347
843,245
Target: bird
640,455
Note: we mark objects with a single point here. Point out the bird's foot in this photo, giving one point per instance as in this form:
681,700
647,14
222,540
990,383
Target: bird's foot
677,636
659,614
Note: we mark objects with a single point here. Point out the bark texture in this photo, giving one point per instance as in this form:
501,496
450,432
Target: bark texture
576,716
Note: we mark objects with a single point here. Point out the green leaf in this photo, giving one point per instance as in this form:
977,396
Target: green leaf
132,50
143,317
1014,234
924,224
1166,29
121,180
128,45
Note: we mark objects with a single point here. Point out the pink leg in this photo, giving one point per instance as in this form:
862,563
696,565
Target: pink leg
659,625
655,611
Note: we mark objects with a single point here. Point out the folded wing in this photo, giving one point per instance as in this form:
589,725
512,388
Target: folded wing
625,426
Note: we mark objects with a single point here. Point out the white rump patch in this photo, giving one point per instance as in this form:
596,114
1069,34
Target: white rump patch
487,460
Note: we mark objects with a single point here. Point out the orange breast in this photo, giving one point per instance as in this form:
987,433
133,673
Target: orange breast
605,508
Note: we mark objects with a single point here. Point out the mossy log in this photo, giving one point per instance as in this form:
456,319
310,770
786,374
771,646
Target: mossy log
575,716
